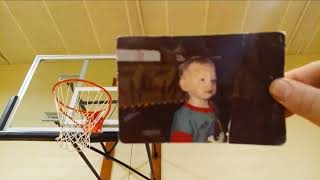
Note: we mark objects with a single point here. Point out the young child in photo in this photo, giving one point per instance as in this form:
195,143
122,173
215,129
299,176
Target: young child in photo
194,121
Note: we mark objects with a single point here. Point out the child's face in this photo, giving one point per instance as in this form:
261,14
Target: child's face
199,81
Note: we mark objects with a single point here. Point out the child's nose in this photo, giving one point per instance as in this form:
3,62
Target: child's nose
209,84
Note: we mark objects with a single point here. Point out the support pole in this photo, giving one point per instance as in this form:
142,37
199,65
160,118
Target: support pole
107,163
77,148
156,160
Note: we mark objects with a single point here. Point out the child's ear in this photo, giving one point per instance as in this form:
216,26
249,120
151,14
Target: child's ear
184,84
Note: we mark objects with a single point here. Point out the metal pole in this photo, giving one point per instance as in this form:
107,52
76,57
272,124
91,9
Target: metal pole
119,162
86,160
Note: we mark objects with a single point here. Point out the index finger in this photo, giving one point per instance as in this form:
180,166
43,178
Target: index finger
307,74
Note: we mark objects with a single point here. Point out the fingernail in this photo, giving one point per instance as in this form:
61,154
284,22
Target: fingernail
280,89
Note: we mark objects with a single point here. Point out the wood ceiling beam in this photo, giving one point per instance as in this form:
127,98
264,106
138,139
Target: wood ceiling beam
298,24
19,27
95,34
56,27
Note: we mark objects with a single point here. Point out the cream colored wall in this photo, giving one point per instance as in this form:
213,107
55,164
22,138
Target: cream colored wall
294,61
11,78
297,159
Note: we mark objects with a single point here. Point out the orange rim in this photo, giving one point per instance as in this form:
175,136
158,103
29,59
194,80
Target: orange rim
78,110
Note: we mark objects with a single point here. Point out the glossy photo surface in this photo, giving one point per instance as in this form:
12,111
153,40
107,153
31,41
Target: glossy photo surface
200,89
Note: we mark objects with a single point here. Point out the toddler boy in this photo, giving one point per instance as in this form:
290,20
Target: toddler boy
194,121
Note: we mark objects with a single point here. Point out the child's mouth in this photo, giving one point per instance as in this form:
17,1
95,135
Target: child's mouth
210,92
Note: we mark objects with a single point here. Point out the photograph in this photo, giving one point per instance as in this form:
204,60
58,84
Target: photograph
200,89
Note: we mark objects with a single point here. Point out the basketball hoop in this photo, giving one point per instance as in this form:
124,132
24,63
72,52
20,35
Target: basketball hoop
82,106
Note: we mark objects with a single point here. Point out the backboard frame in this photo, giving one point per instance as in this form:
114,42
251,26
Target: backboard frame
8,133
43,133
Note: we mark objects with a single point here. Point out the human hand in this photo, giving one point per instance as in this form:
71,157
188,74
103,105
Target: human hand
299,91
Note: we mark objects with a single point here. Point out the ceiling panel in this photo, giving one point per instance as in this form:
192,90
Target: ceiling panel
3,61
134,17
187,17
35,27
110,21
313,45
306,29
40,31
291,17
73,22
154,17
232,13
13,42
264,15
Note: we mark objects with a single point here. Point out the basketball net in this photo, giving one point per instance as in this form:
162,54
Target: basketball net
82,106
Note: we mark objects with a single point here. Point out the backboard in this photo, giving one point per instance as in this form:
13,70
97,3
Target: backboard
31,114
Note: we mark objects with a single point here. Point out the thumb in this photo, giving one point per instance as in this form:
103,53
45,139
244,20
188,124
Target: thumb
298,98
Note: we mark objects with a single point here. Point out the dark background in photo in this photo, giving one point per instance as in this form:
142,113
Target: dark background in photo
149,92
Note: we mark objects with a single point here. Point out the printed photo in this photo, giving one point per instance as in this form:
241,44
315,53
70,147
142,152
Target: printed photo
200,89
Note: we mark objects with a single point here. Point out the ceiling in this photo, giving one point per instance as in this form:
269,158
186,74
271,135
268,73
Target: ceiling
29,28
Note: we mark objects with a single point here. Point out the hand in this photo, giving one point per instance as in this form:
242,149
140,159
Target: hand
299,91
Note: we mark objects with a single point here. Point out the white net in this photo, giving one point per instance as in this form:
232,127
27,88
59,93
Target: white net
82,107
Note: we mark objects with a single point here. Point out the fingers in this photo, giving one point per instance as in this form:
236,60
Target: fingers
308,74
297,97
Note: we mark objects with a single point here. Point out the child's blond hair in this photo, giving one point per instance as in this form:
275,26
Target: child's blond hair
195,59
